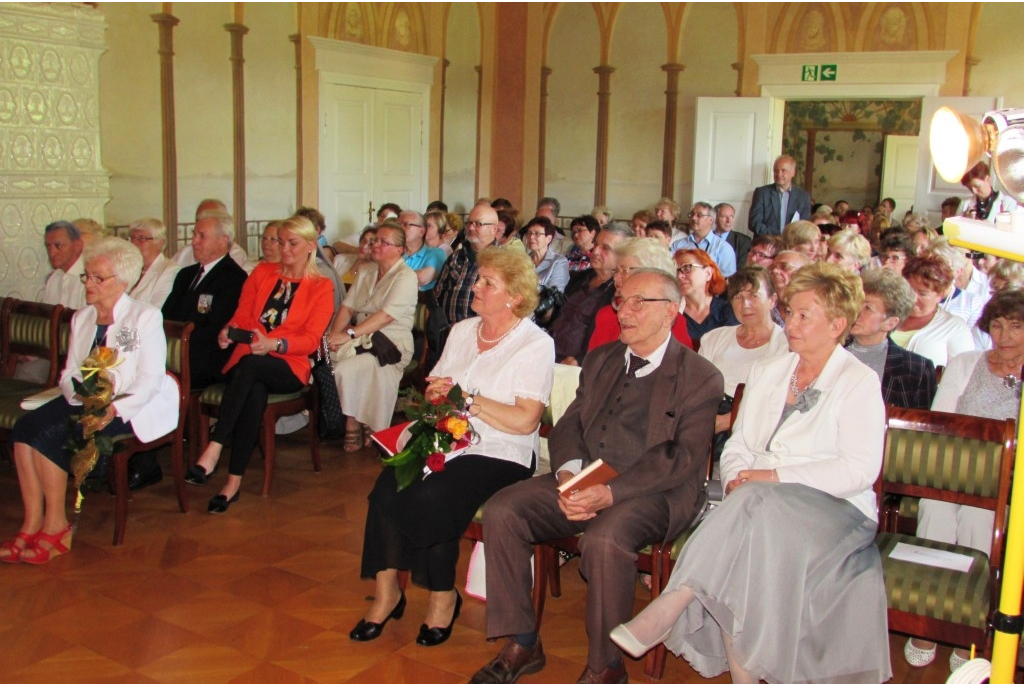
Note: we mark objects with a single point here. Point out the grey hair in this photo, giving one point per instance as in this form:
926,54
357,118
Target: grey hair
70,228
852,244
722,205
619,228
668,283
954,256
155,227
896,294
650,252
550,202
1008,270
223,221
124,257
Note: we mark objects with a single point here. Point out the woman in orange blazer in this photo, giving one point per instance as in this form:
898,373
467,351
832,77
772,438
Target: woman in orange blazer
286,307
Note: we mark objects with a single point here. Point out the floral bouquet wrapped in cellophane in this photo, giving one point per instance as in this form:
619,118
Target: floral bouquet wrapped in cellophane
437,429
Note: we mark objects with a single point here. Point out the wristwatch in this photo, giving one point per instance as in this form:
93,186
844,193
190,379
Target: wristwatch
351,333
470,399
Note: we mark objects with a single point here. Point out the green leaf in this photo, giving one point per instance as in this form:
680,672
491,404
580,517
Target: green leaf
406,474
455,395
402,457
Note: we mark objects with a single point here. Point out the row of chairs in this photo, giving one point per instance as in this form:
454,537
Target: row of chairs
935,455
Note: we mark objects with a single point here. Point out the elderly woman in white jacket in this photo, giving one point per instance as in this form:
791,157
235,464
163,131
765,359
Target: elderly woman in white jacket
783,582
147,403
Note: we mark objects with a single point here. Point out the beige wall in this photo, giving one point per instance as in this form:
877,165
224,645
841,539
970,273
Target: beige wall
130,108
462,50
1000,52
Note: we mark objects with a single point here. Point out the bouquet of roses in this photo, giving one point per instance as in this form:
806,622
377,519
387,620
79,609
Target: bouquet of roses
437,428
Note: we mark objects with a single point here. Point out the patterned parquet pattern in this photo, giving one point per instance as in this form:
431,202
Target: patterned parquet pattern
265,593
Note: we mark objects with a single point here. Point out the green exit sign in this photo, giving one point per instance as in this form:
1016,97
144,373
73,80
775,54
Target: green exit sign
818,72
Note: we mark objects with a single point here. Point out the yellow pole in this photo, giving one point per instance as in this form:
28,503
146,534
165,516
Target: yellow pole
1007,623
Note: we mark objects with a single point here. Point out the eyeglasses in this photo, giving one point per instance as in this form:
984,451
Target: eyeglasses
894,257
697,215
687,268
784,267
140,239
623,270
635,302
756,254
580,229
96,280
472,223
536,234
406,224
378,241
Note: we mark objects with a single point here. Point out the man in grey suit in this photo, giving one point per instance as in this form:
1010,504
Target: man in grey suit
778,204
645,405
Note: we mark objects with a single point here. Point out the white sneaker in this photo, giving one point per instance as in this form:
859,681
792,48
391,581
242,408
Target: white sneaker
917,657
955,661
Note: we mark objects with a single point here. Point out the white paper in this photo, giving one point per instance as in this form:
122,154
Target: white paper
40,398
931,557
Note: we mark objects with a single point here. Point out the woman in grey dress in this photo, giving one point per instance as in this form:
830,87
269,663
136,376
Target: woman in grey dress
783,582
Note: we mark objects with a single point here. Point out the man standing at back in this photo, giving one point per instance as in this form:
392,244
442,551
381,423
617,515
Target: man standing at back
646,406
778,204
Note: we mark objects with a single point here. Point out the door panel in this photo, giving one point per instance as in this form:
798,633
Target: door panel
733,150
899,172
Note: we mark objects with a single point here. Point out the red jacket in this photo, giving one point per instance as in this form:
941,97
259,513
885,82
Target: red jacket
309,315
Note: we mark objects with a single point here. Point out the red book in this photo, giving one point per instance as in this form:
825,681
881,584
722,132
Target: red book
597,473
388,439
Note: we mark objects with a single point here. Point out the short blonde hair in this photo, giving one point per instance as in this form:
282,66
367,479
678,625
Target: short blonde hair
650,252
519,274
799,233
154,226
851,244
839,291
303,228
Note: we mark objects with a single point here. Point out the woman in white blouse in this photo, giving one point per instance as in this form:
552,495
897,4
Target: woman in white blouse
504,365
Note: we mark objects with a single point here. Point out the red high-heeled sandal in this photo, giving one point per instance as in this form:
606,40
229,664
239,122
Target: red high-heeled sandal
14,550
40,555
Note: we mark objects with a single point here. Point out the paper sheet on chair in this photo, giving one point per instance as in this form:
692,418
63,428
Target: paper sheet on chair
40,398
931,557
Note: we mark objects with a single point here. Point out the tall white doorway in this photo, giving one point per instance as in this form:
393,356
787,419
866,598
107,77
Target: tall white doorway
374,132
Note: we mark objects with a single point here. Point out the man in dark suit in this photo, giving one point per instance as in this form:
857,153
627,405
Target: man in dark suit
908,379
645,405
206,294
725,218
778,204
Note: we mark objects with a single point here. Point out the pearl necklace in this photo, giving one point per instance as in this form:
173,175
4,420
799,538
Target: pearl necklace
794,388
481,338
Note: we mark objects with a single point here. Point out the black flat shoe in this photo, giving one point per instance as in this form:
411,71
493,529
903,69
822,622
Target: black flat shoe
368,630
219,504
137,480
432,637
197,475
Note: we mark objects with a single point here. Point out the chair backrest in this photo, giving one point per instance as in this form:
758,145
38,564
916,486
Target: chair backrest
30,328
64,336
965,460
178,336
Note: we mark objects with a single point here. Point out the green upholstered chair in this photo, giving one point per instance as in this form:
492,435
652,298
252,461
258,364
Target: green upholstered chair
178,335
960,459
28,328
207,405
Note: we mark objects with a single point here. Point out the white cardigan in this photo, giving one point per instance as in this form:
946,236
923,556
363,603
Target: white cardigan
835,447
151,397
943,338
156,283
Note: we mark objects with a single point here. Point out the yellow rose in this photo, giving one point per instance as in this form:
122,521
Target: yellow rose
457,427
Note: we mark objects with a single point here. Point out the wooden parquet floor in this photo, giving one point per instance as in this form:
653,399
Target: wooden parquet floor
265,593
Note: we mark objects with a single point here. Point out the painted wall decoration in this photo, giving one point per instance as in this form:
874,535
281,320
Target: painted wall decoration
838,144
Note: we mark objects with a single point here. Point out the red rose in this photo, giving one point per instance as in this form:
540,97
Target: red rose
435,462
438,400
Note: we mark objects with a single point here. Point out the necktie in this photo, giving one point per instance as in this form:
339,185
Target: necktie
635,364
199,277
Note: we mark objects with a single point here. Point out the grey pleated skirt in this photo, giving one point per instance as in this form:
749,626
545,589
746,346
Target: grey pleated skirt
793,575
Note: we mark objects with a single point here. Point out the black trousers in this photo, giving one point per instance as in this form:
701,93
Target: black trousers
419,528
250,382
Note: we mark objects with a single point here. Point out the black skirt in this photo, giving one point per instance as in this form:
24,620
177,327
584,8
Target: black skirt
46,429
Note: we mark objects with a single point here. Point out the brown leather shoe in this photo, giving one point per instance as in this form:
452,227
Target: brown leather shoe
612,674
512,661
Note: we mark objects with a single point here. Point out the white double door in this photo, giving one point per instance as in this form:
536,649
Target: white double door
372,151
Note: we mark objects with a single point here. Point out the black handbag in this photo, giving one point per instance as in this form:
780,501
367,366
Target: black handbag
330,419
382,348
